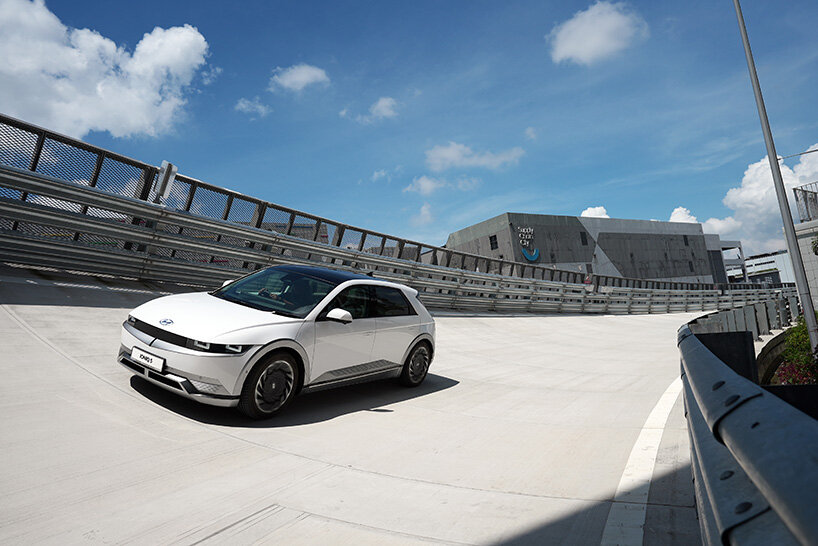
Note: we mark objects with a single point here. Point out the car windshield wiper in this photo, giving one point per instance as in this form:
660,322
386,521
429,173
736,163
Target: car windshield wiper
240,302
285,313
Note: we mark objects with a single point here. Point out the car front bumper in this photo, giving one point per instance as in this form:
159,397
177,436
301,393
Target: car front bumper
207,378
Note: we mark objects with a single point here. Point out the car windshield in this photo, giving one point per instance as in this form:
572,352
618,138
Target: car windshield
279,291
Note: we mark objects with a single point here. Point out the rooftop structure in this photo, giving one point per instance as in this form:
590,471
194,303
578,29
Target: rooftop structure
642,249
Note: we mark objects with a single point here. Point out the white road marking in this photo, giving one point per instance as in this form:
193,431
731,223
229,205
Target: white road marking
626,520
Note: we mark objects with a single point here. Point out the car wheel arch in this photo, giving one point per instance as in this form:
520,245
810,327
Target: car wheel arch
424,337
288,346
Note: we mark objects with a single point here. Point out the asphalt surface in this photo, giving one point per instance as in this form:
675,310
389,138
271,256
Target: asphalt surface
520,435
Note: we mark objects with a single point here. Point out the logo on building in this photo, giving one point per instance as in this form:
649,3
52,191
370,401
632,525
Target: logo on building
526,237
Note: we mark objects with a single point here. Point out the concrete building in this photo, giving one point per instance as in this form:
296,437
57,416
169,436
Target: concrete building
772,267
806,199
642,249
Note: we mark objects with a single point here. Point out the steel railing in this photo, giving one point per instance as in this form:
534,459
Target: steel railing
64,203
753,455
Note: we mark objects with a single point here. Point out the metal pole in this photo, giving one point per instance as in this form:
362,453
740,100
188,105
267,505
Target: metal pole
786,215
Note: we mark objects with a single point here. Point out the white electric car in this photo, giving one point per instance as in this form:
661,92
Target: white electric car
258,341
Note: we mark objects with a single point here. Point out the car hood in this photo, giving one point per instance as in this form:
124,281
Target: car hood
204,317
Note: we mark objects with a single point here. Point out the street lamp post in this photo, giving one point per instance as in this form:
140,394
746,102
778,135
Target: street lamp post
789,229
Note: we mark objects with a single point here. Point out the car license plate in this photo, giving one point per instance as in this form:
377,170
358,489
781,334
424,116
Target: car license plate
148,360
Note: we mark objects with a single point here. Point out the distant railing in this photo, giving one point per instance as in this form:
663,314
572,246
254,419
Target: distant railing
753,455
806,199
31,148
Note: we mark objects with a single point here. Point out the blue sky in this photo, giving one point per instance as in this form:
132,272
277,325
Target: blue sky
419,118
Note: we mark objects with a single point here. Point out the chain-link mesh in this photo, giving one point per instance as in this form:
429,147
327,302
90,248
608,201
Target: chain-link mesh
372,244
411,252
275,220
66,162
119,178
208,203
303,228
806,197
351,239
16,146
242,212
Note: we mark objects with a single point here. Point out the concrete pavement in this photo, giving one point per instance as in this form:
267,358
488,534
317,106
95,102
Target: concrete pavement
520,434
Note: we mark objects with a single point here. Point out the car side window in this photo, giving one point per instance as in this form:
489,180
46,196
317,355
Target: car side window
354,299
390,302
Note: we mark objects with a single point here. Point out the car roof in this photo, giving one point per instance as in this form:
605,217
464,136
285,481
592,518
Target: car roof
330,275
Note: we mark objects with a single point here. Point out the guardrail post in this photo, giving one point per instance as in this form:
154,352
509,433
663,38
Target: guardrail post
762,319
35,160
750,320
772,315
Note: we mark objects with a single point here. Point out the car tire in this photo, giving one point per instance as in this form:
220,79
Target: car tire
269,387
417,365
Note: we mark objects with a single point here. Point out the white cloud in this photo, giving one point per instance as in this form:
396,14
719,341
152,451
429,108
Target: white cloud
76,80
595,212
467,184
297,77
211,74
377,175
454,154
425,185
723,226
756,218
383,108
252,106
597,33
530,133
681,214
423,217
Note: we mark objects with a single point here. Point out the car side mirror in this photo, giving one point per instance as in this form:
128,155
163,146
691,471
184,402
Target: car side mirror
228,281
340,315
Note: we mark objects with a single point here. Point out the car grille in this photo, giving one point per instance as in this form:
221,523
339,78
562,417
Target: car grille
159,333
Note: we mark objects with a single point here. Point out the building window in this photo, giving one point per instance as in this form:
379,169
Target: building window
584,238
690,265
687,243
493,242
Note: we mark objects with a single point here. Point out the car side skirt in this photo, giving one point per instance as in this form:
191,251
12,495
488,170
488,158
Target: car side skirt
361,373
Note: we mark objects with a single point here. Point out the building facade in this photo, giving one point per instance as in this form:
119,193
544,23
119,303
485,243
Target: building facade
642,249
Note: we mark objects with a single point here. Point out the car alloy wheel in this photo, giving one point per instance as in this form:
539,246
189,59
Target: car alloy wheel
416,367
269,387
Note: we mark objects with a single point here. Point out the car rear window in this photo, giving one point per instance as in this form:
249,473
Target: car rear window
390,302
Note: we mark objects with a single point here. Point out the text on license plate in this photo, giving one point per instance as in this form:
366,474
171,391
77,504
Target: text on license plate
148,360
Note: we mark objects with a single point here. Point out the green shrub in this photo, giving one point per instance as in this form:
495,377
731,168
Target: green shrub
799,366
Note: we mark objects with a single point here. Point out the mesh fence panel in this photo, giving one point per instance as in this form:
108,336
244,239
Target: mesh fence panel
66,162
119,178
351,239
373,244
16,146
242,212
411,252
208,203
53,203
303,228
275,220
177,199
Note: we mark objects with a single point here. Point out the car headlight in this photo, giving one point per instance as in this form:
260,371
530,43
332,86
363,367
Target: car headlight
217,348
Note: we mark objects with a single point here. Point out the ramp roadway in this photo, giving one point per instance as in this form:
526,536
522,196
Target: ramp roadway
523,433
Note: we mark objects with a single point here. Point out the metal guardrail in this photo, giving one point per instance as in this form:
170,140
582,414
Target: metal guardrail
755,457
102,232
28,147
64,203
